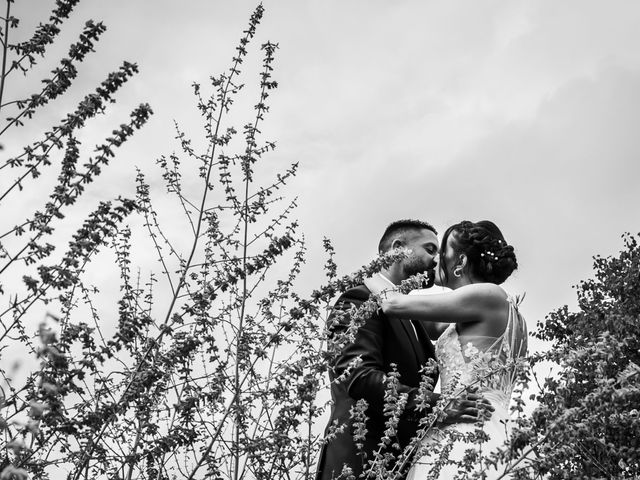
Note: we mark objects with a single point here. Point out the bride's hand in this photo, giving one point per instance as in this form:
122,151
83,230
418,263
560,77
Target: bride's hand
381,287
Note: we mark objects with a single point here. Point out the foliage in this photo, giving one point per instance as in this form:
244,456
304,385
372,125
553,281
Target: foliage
28,250
214,363
586,422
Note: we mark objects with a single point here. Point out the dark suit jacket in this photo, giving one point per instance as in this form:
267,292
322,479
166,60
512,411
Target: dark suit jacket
380,342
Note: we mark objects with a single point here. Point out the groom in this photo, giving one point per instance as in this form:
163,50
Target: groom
379,343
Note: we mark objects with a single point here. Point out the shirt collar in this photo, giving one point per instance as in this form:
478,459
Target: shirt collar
382,275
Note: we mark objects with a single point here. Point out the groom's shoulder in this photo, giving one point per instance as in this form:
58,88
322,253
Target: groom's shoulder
359,293
355,295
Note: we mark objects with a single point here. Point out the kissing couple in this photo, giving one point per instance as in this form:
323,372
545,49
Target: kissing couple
473,332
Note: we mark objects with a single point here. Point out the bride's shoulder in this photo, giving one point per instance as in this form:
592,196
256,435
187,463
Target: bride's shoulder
488,294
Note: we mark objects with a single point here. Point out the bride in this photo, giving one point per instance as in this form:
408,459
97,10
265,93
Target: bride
480,336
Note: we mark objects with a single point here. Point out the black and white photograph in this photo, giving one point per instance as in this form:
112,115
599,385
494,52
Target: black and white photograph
319,240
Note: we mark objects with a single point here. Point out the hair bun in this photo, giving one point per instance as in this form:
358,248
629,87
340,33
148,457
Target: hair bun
491,258
497,264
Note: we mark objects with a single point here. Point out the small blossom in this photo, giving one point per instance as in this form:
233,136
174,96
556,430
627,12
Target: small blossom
37,409
12,473
17,444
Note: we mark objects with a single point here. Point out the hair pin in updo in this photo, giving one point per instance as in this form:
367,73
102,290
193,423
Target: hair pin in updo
490,254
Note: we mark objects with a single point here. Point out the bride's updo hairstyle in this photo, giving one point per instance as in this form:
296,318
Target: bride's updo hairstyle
489,257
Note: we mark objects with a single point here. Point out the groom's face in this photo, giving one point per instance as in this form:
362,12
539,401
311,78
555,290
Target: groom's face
424,248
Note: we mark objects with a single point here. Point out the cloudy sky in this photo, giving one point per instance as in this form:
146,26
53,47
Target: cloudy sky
522,112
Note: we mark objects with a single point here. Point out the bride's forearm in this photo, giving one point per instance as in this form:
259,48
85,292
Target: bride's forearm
395,306
399,306
450,307
416,307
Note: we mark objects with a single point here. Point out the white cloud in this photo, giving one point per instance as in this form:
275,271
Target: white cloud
516,111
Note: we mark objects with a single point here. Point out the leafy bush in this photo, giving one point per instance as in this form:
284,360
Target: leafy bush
218,375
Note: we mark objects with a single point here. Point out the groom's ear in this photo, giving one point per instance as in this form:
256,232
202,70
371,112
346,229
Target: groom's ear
397,243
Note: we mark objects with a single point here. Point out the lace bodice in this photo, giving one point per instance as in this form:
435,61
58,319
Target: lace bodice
486,362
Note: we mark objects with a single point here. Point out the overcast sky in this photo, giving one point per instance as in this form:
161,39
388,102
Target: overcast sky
525,113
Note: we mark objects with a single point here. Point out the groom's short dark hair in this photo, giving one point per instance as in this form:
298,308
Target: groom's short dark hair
398,228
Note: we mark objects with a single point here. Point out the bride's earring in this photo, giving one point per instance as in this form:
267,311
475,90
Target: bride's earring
457,272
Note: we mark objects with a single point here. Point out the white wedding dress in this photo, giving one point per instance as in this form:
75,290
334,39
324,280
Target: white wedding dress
470,360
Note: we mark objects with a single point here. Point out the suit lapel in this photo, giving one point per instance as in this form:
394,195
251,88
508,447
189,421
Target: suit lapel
428,350
411,333
405,334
